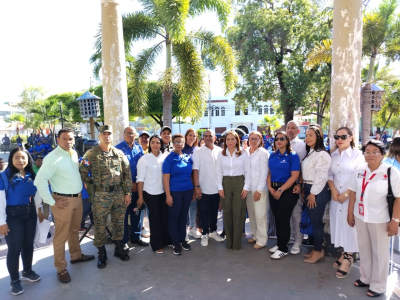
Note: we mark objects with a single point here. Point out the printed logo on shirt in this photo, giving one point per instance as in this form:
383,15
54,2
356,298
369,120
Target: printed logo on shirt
360,175
86,162
283,162
29,179
385,177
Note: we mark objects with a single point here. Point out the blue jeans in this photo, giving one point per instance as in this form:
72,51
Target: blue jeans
315,214
21,221
136,224
192,213
178,213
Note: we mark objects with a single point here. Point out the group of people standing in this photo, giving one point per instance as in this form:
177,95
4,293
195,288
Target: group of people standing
177,180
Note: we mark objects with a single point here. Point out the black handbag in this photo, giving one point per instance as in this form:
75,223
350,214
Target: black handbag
390,197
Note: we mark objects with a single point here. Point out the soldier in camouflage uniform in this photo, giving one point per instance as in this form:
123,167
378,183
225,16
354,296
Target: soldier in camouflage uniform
112,183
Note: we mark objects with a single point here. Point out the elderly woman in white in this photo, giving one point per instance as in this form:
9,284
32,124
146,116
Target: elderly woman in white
369,213
257,198
345,160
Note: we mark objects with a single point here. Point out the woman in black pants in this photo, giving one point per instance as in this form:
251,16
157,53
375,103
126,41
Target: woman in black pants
151,191
284,170
18,216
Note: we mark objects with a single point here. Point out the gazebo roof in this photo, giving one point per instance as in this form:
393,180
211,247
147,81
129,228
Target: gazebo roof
374,88
87,95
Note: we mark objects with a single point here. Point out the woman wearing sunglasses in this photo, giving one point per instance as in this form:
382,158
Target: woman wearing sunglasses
284,170
345,160
315,167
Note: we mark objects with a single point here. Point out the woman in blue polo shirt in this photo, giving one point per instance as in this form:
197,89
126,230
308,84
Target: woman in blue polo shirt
284,170
178,186
18,216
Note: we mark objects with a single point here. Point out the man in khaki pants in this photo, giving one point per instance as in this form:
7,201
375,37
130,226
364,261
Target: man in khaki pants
61,169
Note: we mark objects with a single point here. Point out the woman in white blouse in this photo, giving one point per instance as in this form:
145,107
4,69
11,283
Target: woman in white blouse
314,168
345,161
151,191
233,175
257,198
368,211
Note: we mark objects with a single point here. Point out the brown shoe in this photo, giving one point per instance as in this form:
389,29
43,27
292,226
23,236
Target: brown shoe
63,276
257,246
251,240
82,259
315,257
309,254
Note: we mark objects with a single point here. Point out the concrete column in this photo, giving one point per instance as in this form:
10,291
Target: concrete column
346,67
115,96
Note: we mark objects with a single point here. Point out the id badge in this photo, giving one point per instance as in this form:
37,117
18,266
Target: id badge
361,209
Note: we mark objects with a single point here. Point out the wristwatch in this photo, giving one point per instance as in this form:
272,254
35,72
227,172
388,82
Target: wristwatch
196,186
258,191
280,190
396,220
346,195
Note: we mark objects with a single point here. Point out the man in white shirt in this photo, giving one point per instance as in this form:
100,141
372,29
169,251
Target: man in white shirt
206,187
298,146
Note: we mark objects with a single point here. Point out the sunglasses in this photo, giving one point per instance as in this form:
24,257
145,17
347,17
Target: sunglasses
282,139
343,137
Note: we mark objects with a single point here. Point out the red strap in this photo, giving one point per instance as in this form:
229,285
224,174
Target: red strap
364,184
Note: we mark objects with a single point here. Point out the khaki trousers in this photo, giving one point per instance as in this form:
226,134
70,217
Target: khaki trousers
67,222
373,244
234,210
257,211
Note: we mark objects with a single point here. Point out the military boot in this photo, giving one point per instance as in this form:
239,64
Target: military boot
120,251
101,263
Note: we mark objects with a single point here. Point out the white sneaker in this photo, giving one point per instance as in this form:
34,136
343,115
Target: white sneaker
278,255
273,249
204,240
187,238
194,233
145,233
216,236
296,248
291,241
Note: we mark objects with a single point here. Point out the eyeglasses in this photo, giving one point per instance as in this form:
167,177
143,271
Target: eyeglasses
343,137
254,139
371,153
207,136
282,139
130,133
178,143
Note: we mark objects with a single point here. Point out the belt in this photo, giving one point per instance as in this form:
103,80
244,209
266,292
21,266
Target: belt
107,188
277,183
67,195
308,181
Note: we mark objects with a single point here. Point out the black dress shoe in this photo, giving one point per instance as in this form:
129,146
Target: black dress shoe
140,243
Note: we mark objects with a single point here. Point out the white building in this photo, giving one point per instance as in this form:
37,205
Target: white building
6,109
222,115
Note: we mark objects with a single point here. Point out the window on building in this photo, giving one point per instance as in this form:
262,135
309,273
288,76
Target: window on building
206,112
222,111
217,111
237,111
260,110
246,111
271,110
265,109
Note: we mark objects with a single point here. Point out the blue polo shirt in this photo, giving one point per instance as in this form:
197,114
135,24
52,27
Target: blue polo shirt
84,192
38,148
47,147
393,162
281,165
133,156
180,169
19,189
189,150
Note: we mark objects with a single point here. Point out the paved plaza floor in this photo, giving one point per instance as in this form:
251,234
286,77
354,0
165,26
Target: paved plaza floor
211,272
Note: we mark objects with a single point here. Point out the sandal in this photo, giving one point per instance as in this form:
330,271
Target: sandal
374,294
342,274
360,283
337,263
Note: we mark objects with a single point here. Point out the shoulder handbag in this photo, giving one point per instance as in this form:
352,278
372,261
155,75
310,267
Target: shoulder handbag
390,197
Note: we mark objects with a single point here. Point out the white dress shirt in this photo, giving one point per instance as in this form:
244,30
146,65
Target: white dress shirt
258,168
315,168
232,165
205,161
299,147
149,171
374,200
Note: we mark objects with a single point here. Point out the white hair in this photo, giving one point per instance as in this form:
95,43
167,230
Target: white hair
294,122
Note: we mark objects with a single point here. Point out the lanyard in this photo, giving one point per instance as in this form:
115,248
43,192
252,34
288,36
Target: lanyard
364,184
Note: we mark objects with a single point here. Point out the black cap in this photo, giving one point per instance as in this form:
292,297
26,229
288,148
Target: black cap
166,127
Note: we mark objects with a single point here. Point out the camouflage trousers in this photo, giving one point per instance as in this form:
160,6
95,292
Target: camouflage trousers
106,203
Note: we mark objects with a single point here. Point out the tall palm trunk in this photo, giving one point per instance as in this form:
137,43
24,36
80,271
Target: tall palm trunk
387,121
366,101
167,92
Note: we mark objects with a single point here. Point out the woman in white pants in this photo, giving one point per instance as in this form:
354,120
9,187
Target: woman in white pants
368,211
257,198
345,160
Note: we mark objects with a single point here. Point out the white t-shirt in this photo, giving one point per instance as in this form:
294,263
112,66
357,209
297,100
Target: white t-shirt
149,171
299,147
374,207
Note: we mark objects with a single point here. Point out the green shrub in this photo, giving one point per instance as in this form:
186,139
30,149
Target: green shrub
23,137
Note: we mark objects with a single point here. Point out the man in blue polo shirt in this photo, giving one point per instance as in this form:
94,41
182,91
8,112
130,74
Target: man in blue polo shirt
47,147
133,152
38,148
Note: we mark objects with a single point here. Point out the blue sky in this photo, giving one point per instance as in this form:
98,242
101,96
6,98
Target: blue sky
48,43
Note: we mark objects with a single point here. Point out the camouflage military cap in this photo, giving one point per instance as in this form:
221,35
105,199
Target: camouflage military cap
105,128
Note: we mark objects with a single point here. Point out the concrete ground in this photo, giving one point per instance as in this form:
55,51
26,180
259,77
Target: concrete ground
211,272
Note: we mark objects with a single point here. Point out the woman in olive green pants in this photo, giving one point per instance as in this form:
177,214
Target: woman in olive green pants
233,175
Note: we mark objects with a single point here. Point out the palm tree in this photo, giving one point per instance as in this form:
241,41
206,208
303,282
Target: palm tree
380,27
164,21
16,118
272,122
392,104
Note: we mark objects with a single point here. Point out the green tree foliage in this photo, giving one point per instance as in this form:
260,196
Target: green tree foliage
391,106
273,39
165,20
271,121
17,120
